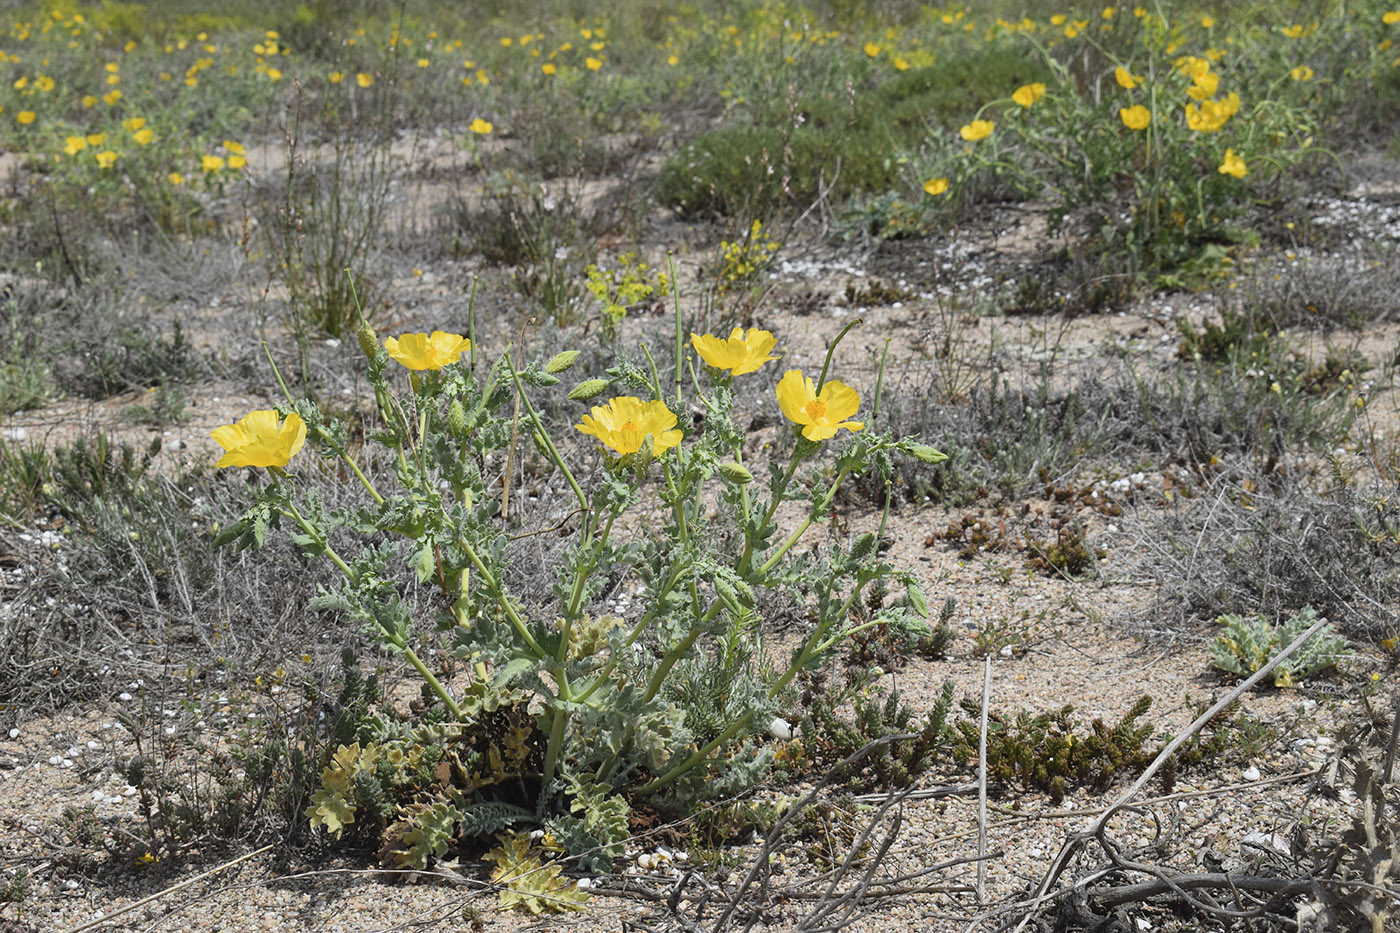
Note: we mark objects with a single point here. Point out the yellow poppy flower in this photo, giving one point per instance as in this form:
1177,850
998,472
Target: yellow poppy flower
74,145
872,50
143,137
258,440
550,68
977,129
935,186
1391,18
627,421
106,159
1233,165
480,126
1301,73
211,163
1027,94
739,354
1126,79
1136,117
335,77
821,415
25,117
364,79
423,351
593,64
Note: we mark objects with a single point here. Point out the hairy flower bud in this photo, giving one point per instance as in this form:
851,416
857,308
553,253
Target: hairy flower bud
561,361
369,342
588,389
735,472
927,454
457,420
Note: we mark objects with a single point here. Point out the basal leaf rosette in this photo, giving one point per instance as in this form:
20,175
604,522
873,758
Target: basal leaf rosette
821,414
259,440
625,423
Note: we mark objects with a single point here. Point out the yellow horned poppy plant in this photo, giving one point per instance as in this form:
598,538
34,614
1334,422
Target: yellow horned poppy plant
424,351
977,130
625,423
739,354
258,440
820,414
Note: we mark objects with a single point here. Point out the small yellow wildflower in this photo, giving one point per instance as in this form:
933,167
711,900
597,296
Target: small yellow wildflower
976,130
548,68
1301,73
25,117
1028,94
106,159
626,422
1391,18
143,137
258,440
43,83
427,351
237,161
336,77
935,186
481,127
872,50
592,63
1233,165
364,79
739,353
211,163
820,414
1125,78
1136,117
175,178
275,74
74,145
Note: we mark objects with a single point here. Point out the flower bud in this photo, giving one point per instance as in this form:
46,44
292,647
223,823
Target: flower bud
561,361
588,389
369,342
927,454
735,472
457,420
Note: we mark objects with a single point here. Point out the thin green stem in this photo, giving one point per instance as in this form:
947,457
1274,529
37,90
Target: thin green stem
556,740
315,534
768,515
676,303
811,517
831,349
490,582
539,429
698,757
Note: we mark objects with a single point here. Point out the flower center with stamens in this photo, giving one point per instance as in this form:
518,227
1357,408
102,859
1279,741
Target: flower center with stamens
816,409
629,426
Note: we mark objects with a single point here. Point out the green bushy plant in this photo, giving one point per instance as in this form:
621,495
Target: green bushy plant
1247,644
566,715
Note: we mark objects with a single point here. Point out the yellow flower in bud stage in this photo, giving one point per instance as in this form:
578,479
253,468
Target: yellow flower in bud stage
1233,165
739,354
935,186
424,351
977,130
1028,94
820,414
1136,117
626,422
258,440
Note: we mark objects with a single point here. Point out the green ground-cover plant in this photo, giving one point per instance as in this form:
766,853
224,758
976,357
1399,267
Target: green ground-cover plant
568,712
1246,645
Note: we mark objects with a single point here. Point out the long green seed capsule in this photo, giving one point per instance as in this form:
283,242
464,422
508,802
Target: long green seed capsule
588,389
735,472
369,342
457,420
561,361
927,454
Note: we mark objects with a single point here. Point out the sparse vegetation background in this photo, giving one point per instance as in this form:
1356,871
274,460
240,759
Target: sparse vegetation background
666,464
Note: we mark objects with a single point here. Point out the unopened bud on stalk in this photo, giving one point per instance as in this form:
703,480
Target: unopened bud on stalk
735,472
457,420
588,389
561,361
927,454
369,342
